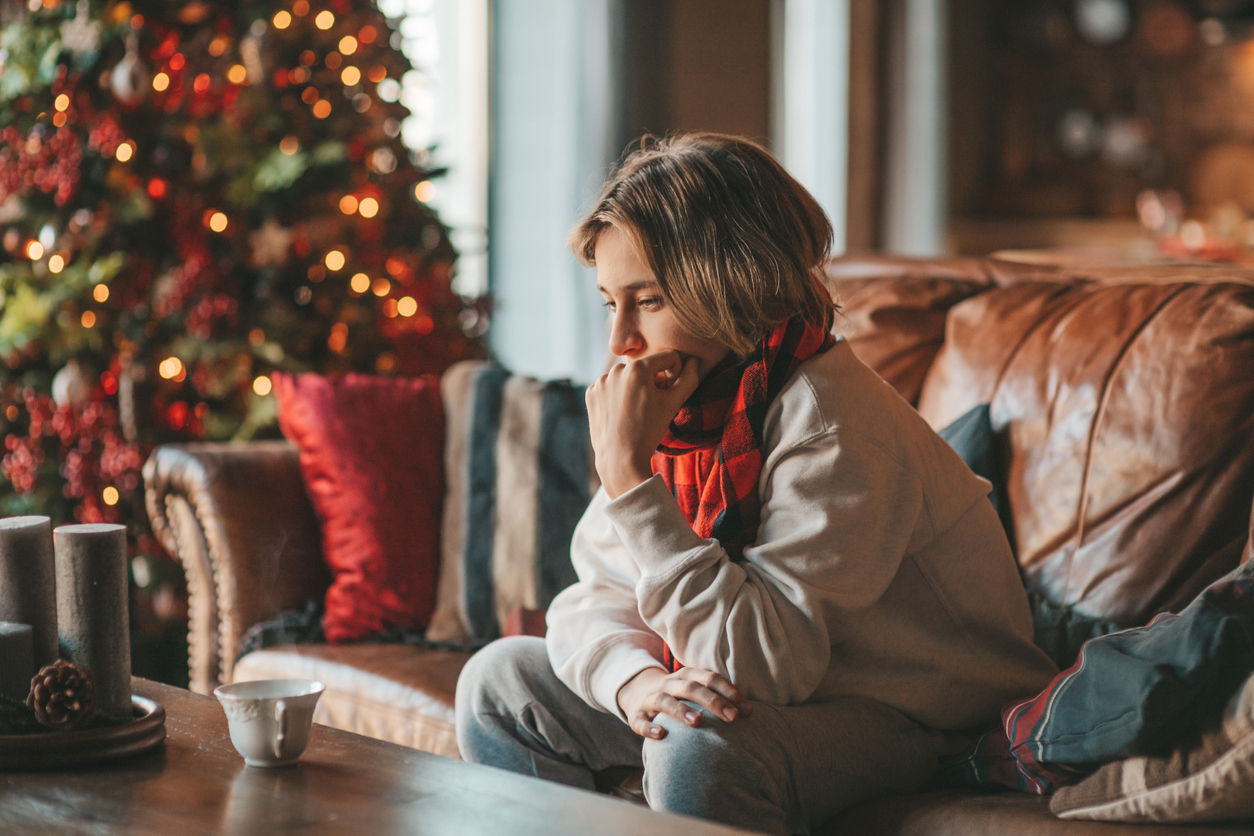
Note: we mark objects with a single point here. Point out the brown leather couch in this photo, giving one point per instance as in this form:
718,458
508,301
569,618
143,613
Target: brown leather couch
1126,396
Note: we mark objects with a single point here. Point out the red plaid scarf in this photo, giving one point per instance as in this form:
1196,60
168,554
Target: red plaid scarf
711,456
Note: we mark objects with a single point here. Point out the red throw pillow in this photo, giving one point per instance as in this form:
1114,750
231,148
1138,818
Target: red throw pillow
372,455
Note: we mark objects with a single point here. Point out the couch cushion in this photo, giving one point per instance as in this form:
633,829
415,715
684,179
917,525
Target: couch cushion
1210,780
975,813
893,310
518,459
395,692
371,453
1130,415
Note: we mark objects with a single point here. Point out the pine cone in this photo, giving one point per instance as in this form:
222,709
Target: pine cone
62,695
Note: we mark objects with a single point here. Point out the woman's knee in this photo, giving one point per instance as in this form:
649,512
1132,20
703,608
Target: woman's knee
697,771
497,678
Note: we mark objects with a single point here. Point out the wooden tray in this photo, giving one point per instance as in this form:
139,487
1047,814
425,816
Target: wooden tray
53,750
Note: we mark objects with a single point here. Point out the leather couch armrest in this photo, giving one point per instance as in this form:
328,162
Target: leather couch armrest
238,518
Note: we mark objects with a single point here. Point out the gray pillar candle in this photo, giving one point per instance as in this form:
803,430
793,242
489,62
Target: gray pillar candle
93,611
17,659
28,593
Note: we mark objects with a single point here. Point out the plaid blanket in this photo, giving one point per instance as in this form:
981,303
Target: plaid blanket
711,456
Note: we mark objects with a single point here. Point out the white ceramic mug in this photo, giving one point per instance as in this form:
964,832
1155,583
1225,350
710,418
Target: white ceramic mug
270,718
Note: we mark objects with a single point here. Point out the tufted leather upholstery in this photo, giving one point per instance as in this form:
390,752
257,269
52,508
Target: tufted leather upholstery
1129,408
238,517
893,311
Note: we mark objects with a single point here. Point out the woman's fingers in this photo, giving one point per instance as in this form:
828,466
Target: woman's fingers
664,703
696,692
721,686
643,725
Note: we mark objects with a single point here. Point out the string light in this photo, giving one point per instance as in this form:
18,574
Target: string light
424,191
350,76
369,207
201,84
309,95
156,188
389,308
335,260
89,319
348,44
59,119
262,385
407,306
348,204
125,152
339,337
62,103
217,222
322,109
289,145
100,293
11,412
300,8
424,324
237,74
56,264
256,338
381,287
367,34
218,46
170,368
177,61
325,19
377,73
34,250
360,283
282,20
110,495
333,61
160,82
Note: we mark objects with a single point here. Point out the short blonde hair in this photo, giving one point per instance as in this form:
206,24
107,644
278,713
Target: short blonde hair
736,244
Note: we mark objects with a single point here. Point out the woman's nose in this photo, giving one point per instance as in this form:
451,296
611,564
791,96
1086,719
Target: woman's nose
625,338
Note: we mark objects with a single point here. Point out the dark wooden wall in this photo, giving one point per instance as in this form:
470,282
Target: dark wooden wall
696,65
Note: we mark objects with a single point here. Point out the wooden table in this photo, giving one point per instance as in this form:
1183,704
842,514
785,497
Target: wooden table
196,783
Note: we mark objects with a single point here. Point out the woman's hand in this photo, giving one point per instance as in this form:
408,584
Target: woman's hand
629,409
653,691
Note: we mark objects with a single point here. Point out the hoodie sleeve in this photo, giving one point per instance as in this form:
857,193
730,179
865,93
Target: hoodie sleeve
596,639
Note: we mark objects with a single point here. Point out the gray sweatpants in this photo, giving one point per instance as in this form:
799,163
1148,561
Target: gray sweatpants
781,770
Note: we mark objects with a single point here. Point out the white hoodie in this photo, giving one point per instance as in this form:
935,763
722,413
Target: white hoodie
880,569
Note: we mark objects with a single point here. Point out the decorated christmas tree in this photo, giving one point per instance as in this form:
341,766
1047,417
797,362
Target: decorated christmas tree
193,195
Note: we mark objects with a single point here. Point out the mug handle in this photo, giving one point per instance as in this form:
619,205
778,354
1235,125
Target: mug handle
280,714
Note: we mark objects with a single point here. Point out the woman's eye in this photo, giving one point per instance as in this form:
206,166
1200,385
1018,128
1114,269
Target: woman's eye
608,304
650,302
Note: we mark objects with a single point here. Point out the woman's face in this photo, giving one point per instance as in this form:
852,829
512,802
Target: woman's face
641,322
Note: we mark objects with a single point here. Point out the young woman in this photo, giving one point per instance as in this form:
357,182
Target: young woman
793,595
